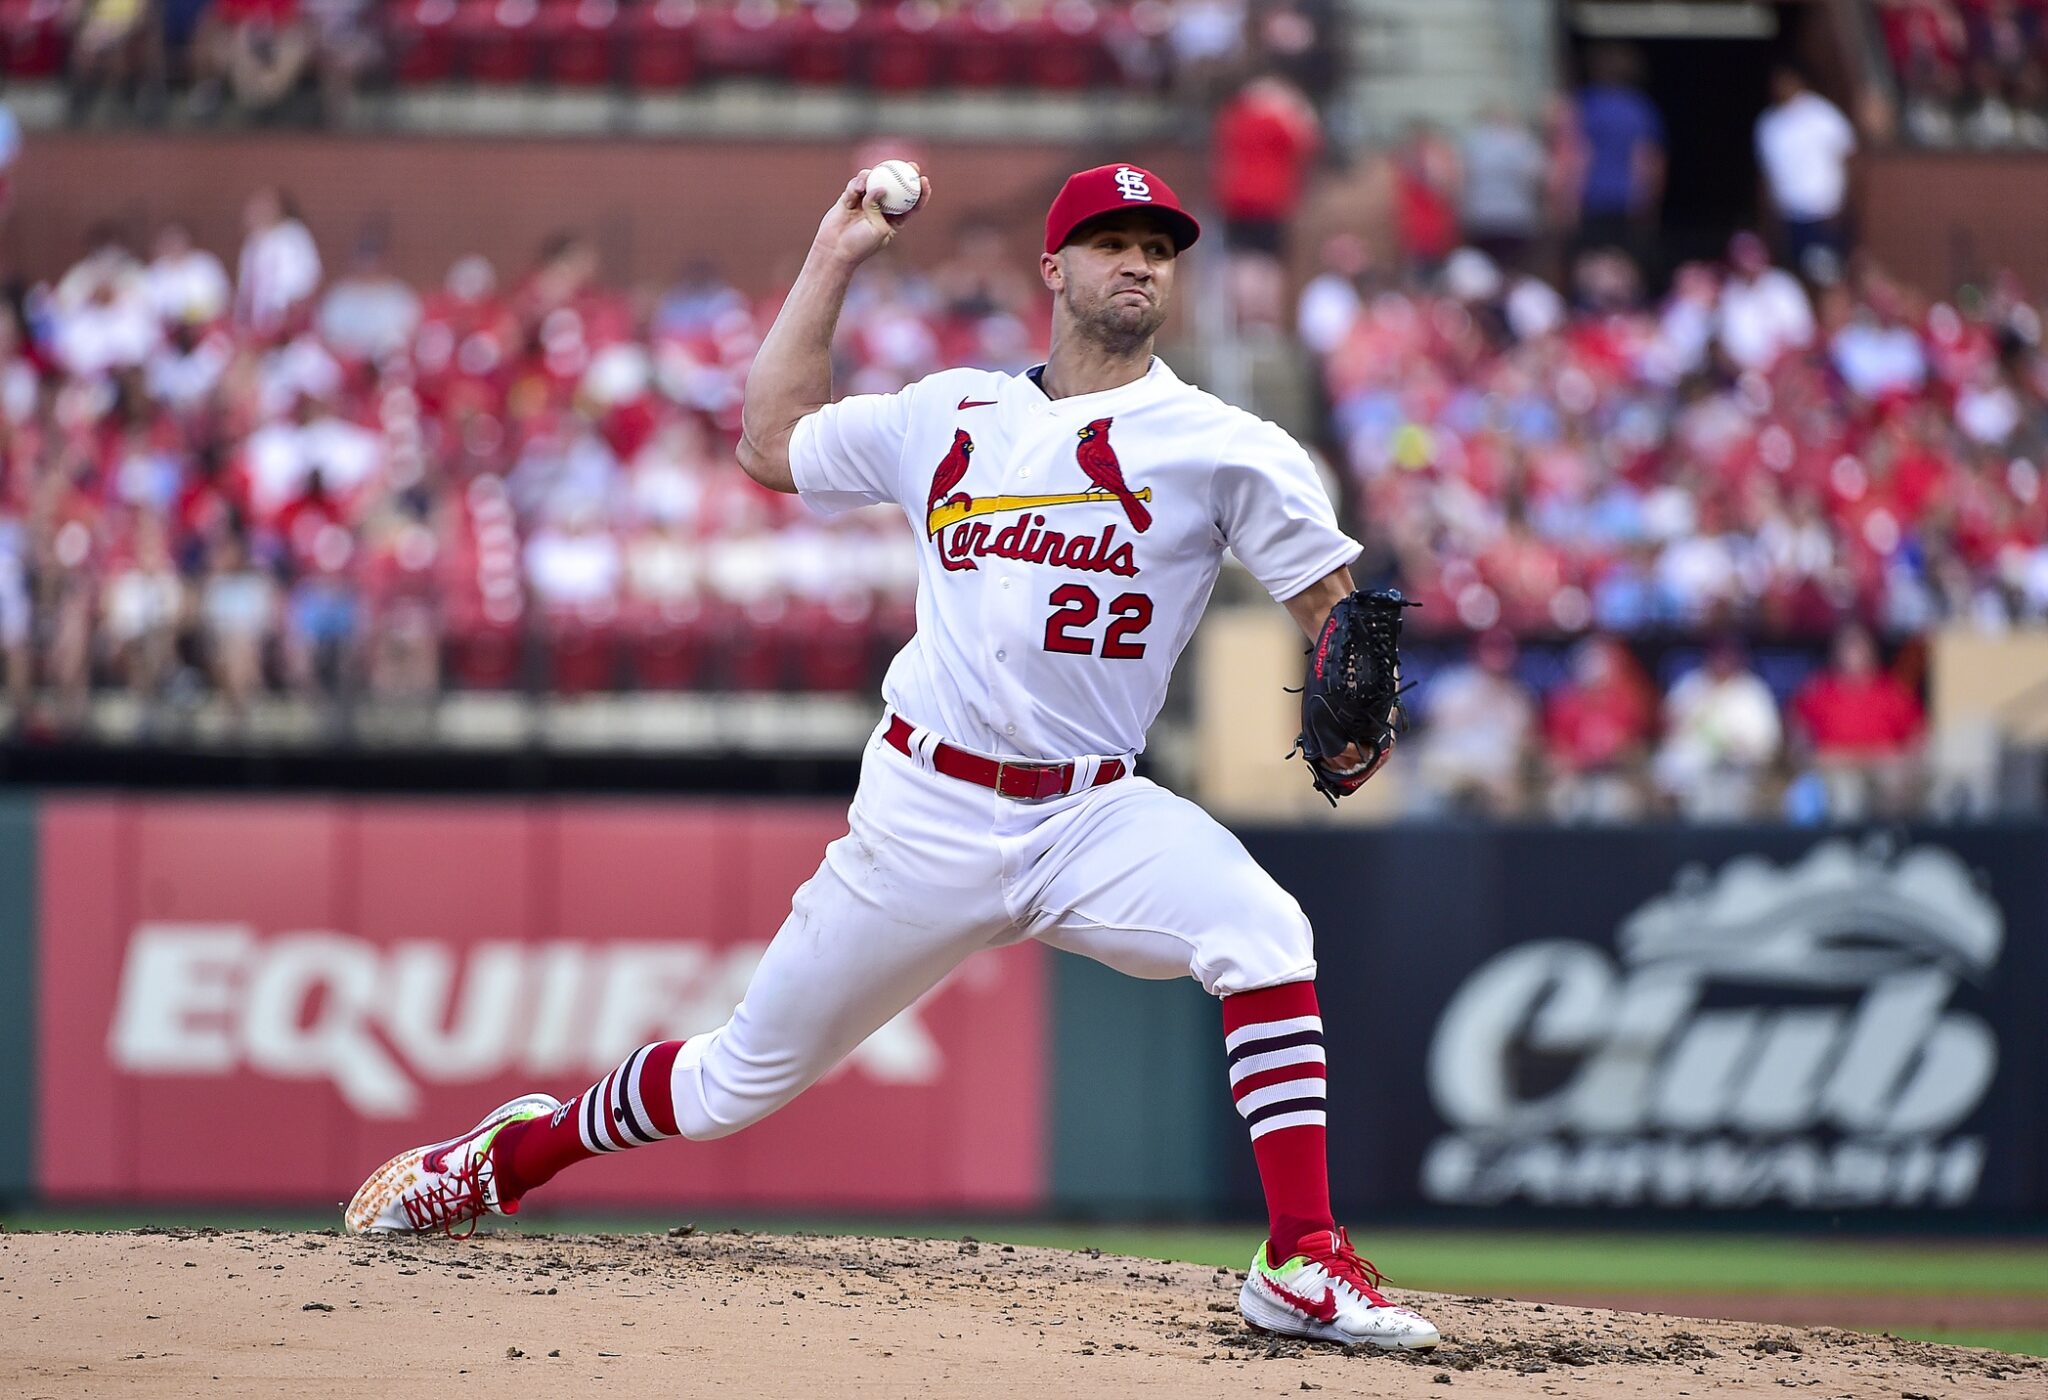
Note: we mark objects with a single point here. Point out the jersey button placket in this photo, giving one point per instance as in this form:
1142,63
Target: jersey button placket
1011,606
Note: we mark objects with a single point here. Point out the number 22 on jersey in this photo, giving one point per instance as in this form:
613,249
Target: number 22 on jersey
1077,606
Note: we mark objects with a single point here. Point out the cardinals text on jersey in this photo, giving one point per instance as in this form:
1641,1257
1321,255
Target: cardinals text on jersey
1028,536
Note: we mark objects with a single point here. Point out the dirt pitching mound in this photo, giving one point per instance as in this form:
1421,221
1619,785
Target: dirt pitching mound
183,1312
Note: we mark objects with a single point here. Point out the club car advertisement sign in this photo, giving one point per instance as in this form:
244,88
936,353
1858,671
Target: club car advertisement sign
1706,1020
262,1000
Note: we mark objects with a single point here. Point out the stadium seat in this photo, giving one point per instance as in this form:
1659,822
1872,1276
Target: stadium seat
499,40
984,47
821,53
579,40
36,34
1065,49
481,655
668,651
894,623
755,642
661,44
833,644
903,51
746,39
583,656
421,34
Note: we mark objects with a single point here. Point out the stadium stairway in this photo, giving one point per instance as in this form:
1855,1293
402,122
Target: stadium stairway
1446,60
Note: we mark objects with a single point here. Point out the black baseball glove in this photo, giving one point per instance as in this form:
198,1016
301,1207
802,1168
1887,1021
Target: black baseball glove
1352,696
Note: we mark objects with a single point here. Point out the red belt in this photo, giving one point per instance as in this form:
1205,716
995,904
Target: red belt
1010,778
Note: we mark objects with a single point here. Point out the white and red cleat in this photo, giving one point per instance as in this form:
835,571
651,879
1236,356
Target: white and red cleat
444,1185
1326,1293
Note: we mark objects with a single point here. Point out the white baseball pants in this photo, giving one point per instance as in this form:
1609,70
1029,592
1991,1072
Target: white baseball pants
935,869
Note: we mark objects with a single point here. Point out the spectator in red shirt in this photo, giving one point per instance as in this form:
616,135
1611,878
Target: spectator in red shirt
1425,212
1597,731
1266,136
1860,728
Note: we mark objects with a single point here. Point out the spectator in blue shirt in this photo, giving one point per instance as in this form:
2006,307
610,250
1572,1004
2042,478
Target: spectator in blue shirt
1621,141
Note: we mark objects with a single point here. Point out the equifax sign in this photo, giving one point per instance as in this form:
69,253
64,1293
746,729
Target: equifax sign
382,1022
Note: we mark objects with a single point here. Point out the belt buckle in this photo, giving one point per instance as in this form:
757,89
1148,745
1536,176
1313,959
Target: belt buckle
1037,791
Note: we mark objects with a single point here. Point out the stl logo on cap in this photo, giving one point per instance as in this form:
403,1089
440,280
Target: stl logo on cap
1131,184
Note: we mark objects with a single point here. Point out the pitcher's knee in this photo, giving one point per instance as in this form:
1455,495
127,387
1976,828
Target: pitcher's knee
718,1092
1266,944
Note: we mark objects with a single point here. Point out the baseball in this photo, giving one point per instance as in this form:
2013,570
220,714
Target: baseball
893,186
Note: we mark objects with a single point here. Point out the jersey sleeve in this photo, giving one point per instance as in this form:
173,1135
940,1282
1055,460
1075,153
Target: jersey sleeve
1273,511
850,453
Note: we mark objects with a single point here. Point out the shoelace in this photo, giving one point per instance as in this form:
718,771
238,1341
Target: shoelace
456,1198
1355,1269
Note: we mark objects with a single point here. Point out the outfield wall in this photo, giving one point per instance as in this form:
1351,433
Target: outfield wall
252,1001
1684,1019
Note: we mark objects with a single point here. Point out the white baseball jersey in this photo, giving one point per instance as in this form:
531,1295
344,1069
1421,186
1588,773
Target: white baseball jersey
1067,546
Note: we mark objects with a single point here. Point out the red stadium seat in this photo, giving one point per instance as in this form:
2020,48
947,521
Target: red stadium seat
583,657
661,44
579,41
499,40
1065,50
983,47
746,39
895,622
422,38
822,51
37,37
756,646
903,49
833,645
669,651
480,655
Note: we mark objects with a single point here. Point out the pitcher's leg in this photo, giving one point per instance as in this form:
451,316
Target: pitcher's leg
910,891
1152,885
845,961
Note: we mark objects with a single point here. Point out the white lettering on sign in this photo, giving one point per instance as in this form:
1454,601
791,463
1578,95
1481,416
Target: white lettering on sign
1768,1036
379,1021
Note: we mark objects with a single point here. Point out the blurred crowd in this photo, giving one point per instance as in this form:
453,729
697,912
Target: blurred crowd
1970,72
1588,733
283,476
1741,452
1741,457
1780,443
320,480
307,60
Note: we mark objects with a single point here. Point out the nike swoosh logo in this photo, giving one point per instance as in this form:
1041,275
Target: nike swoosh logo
976,403
1322,1310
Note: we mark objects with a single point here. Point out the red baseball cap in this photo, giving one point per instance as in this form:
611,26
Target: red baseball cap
1111,189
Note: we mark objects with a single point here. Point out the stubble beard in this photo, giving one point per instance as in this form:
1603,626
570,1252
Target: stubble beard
1120,328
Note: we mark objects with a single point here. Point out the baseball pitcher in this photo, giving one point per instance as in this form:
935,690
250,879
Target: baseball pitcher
1072,520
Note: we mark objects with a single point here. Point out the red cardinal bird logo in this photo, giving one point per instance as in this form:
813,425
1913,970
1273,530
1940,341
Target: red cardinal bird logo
952,470
1098,459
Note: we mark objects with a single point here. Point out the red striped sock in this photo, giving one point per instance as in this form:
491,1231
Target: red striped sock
1274,1037
630,1107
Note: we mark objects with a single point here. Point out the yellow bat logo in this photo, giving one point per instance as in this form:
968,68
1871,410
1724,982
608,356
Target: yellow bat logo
951,513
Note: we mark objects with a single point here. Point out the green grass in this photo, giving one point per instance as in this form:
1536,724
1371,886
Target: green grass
2026,1343
1512,1263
